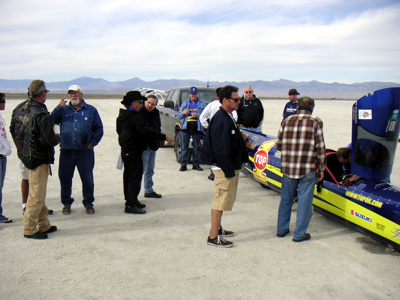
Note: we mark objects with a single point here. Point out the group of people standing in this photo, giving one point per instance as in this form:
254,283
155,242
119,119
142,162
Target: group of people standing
139,134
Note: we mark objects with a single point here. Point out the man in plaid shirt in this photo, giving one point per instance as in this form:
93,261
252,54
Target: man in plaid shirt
302,146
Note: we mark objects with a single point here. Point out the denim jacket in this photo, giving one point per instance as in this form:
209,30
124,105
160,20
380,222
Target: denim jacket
185,105
78,127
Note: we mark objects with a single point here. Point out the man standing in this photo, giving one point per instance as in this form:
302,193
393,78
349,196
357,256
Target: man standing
81,130
5,150
225,150
152,117
189,112
38,141
134,136
291,106
209,112
251,111
301,142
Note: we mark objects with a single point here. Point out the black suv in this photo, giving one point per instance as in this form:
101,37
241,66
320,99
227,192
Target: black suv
170,124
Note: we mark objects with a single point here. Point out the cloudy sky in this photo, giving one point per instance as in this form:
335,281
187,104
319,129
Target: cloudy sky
342,41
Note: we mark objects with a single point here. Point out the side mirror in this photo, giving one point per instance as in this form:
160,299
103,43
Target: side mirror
169,104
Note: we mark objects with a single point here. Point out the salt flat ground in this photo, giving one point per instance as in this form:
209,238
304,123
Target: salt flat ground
163,254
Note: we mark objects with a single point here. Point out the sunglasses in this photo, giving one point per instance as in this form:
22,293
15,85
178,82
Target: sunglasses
235,99
248,92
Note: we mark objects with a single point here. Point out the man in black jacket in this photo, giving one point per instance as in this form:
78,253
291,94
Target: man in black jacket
250,111
134,136
152,116
225,150
38,141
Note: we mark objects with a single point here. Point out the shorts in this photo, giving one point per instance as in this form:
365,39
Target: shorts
22,170
224,190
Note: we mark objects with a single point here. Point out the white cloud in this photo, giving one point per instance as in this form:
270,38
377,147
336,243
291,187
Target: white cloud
117,40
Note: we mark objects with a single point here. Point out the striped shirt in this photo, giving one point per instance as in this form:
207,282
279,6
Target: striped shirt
302,146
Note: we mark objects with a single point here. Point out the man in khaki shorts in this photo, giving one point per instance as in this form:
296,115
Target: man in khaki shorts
225,150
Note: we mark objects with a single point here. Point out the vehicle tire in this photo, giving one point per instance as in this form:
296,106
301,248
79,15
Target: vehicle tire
178,147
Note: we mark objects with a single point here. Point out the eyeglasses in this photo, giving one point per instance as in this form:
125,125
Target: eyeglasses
235,99
249,92
74,92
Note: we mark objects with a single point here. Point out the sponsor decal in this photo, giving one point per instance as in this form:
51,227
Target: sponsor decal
396,233
364,199
261,161
380,226
360,216
365,114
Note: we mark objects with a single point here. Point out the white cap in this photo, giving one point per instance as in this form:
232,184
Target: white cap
75,88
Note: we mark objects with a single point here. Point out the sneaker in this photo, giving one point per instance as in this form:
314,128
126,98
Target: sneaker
37,236
219,242
89,210
225,232
49,211
183,168
211,177
305,238
140,205
51,229
134,210
66,210
198,168
4,219
152,195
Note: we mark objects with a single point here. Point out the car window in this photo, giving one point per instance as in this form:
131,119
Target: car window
175,98
206,96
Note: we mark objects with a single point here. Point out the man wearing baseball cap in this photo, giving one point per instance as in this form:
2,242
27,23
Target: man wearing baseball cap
291,106
190,112
81,130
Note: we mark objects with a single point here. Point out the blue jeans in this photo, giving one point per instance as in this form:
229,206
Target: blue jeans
185,148
84,161
149,162
3,167
305,192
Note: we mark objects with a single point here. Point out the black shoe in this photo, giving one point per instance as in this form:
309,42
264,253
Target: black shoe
140,205
225,232
305,238
152,195
5,220
134,210
198,168
183,168
211,177
219,242
37,236
282,234
49,211
51,229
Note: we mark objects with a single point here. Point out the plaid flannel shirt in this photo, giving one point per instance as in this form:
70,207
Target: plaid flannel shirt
302,146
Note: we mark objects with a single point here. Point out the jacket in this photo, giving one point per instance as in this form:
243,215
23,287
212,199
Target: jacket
37,134
153,120
185,105
250,112
78,127
223,144
134,133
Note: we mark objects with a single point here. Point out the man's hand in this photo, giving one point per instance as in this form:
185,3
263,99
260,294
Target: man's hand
63,102
320,176
169,140
185,112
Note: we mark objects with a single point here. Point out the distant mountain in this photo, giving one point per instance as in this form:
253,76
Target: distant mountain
275,88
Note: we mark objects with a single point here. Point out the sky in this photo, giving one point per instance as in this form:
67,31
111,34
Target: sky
341,41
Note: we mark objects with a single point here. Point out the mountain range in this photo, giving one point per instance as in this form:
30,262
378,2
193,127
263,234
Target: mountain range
262,88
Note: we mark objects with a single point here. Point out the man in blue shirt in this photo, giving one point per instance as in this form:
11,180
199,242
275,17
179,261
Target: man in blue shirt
190,112
291,107
81,130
